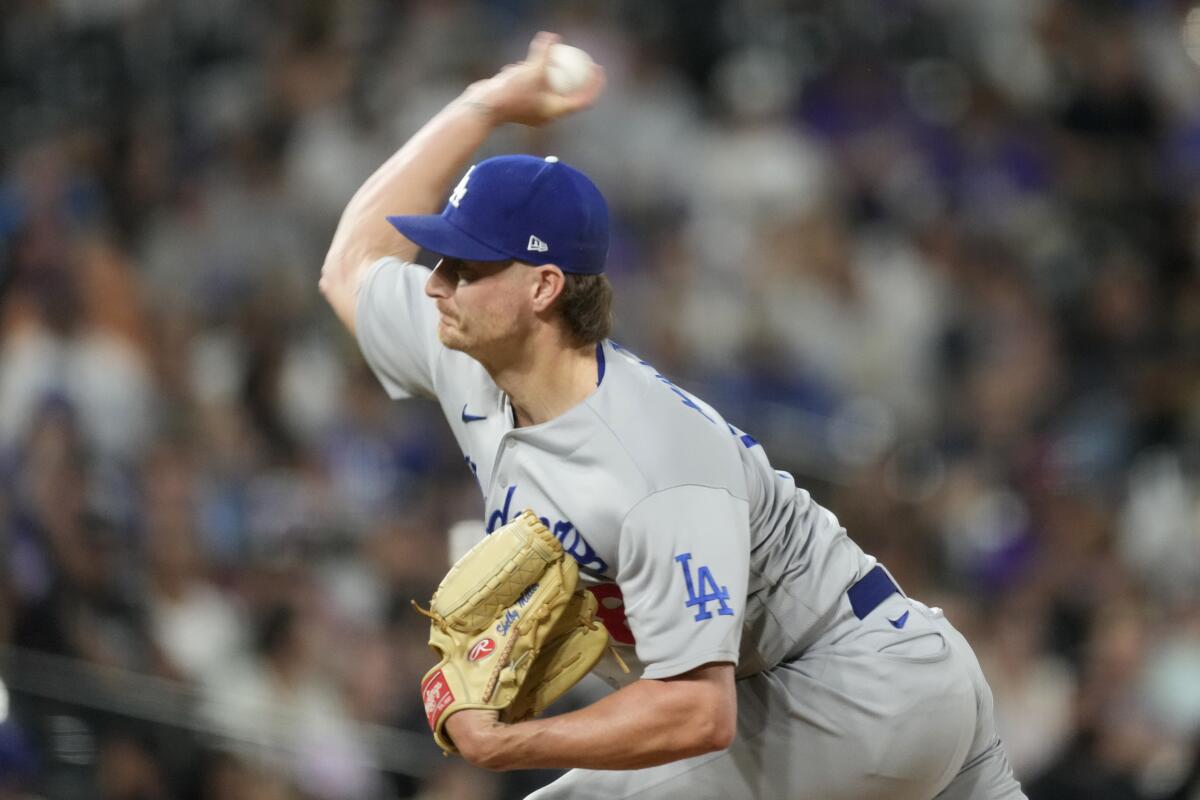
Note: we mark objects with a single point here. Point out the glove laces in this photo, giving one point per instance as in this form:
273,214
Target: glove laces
433,616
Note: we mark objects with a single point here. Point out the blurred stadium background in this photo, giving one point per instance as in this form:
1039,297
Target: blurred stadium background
940,256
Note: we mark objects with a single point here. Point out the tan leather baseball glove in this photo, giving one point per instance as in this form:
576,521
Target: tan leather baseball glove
511,627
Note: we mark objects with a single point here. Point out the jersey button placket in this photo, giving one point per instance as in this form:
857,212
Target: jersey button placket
509,445
500,473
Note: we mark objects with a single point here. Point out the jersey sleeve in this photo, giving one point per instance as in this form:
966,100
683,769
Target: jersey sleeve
683,569
396,326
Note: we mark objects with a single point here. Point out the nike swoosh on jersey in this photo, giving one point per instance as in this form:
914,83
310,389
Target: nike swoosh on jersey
470,417
899,621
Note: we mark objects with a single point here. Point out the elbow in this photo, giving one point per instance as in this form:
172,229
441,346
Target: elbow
719,733
711,734
334,286
329,278
706,710
724,734
714,725
338,281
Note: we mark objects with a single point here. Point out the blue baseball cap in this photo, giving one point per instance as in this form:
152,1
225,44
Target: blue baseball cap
536,210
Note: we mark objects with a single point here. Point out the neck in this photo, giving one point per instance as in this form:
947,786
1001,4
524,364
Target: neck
546,379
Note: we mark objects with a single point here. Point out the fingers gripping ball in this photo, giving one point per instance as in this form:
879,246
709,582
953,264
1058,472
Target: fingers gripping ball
509,599
568,69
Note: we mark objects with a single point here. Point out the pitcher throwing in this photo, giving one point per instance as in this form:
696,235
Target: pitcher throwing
769,656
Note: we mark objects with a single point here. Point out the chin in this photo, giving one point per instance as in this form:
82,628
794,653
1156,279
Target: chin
449,335
453,340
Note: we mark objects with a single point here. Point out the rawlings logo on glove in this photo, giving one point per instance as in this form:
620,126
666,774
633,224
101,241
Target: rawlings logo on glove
436,694
511,627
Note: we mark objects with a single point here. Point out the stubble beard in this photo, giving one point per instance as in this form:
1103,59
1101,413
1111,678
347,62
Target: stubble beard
454,337
483,342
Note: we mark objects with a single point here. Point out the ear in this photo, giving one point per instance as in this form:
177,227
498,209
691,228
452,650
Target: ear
547,285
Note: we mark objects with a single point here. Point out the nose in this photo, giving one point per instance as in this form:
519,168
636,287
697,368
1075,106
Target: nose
439,284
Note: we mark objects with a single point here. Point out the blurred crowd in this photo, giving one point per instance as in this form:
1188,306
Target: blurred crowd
939,256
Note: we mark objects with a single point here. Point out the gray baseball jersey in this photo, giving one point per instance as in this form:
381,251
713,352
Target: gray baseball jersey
645,485
698,550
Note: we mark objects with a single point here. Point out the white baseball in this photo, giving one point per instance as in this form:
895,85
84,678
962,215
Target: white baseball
569,69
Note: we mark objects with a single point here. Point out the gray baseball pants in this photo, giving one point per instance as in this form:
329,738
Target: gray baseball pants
870,712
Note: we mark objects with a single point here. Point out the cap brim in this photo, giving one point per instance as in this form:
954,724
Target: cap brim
438,235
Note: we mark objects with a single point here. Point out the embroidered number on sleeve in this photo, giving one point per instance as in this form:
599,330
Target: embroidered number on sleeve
709,591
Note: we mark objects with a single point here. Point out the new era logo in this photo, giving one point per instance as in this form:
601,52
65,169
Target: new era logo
537,245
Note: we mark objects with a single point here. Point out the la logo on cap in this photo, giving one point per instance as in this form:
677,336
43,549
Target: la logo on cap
460,191
532,209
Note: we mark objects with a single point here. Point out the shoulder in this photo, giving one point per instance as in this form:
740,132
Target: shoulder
669,436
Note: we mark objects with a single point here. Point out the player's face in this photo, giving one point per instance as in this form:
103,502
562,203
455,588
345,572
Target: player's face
482,304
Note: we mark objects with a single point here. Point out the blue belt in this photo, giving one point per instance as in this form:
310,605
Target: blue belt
870,590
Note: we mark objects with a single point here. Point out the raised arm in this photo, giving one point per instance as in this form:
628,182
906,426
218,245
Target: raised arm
416,178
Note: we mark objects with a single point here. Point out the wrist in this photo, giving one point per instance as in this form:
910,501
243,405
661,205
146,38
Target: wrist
480,738
476,102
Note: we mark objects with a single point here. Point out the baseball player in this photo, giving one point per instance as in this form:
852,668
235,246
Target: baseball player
769,657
